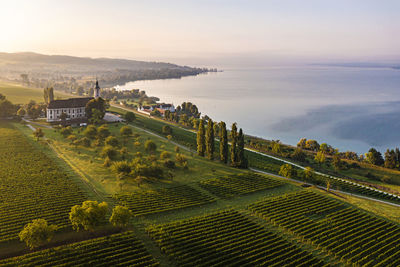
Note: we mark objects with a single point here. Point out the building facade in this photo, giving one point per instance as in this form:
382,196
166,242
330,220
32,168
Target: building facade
74,108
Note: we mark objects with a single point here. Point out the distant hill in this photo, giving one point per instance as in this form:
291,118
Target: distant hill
58,69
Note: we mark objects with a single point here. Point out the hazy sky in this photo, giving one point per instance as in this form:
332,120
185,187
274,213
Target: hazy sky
201,28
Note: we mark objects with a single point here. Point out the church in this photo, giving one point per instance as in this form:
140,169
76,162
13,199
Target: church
74,108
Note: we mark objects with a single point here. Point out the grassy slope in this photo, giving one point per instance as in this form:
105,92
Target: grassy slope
88,161
19,94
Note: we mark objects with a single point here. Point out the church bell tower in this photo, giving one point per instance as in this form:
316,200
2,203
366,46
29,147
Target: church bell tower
97,90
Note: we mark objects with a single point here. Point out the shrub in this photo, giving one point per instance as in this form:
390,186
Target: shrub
150,146
90,132
66,131
180,158
287,171
109,152
169,164
112,141
165,155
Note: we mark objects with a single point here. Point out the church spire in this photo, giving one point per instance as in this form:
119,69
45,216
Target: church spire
97,90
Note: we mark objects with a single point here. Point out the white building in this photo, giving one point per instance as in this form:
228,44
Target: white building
74,108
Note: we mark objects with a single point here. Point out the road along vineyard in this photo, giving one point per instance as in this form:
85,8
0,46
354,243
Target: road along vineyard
227,238
122,249
165,199
32,186
240,184
352,235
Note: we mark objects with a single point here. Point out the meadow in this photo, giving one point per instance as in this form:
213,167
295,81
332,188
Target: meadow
19,94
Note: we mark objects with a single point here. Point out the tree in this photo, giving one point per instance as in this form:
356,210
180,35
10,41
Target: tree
96,117
8,109
210,147
48,94
302,143
96,109
320,157
66,131
390,159
167,130
120,216
241,159
125,131
63,118
150,146
122,168
21,112
276,147
181,159
129,117
337,162
323,147
90,132
109,152
112,141
38,133
308,173
37,233
287,171
89,215
312,145
223,142
103,132
201,144
298,155
374,157
233,144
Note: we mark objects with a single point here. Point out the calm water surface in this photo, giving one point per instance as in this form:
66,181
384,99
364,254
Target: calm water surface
349,108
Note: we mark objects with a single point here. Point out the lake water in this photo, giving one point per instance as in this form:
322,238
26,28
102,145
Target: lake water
349,108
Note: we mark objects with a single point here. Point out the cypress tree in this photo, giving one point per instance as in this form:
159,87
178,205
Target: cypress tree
241,159
234,145
210,140
201,144
223,142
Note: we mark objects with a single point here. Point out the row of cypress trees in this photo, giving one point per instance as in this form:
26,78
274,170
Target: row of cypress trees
206,143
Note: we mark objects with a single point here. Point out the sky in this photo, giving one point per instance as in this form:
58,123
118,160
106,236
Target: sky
190,31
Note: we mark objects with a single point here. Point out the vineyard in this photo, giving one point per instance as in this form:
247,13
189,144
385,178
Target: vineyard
31,185
273,165
165,199
224,239
236,185
351,235
119,249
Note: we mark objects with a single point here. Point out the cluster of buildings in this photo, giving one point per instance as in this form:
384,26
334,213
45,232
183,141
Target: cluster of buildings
160,107
75,108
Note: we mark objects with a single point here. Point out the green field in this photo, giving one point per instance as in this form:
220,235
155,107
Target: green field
19,94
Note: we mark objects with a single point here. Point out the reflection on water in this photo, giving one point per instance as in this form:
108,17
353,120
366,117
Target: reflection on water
350,108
